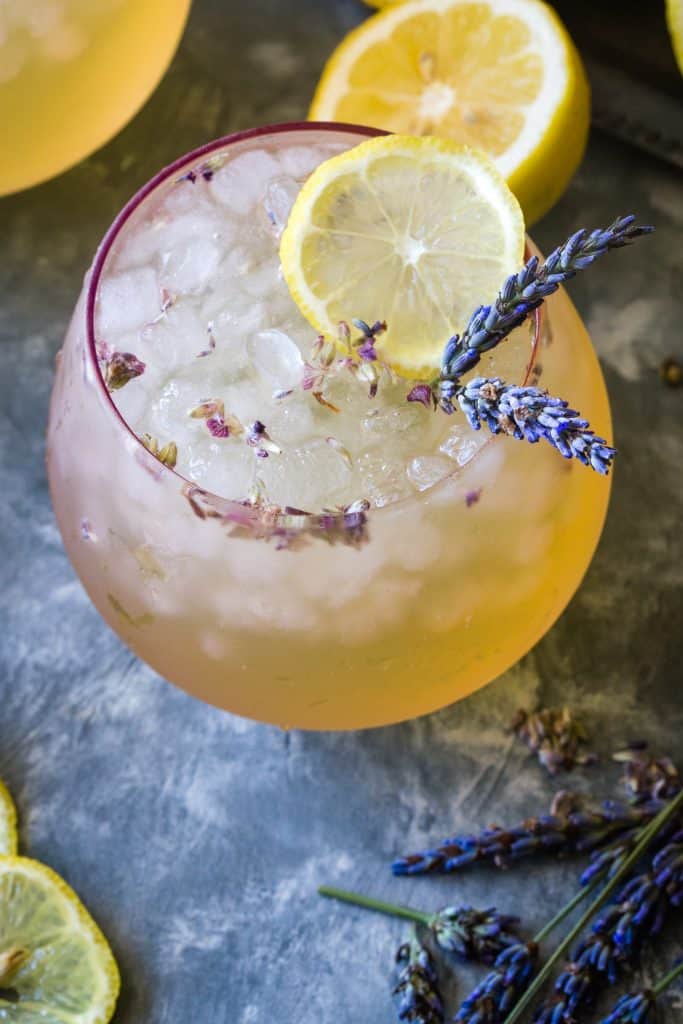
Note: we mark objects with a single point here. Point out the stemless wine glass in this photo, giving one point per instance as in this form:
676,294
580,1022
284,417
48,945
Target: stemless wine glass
72,73
451,587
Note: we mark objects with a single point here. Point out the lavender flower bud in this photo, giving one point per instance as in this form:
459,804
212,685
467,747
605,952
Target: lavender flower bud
120,368
633,1008
419,1000
471,934
495,996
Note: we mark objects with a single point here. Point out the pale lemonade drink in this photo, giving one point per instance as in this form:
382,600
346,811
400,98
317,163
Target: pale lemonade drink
72,73
470,547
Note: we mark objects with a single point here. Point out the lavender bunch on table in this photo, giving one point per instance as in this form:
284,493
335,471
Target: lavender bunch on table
618,935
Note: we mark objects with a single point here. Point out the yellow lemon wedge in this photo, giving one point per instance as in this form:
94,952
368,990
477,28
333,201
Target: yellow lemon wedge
8,823
54,960
500,75
674,21
414,231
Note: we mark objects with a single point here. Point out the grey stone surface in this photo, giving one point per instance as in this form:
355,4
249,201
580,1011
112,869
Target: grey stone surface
198,839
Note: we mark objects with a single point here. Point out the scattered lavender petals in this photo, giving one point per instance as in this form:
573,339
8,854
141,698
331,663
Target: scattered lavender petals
166,454
260,440
472,497
120,368
647,777
555,736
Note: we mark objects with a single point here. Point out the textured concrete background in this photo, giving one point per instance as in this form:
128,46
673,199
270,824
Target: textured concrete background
198,839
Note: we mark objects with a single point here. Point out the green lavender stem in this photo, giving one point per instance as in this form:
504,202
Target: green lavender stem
668,979
358,900
648,835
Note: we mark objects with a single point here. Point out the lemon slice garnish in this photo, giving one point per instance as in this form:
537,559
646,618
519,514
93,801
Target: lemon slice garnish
53,957
500,75
414,231
8,823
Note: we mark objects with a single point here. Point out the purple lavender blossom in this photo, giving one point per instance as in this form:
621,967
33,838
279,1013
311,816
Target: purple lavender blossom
491,1000
633,1008
530,414
471,934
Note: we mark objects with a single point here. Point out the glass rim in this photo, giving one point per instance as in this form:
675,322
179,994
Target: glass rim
138,198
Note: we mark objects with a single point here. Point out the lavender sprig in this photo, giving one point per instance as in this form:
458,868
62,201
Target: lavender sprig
573,831
531,414
470,934
618,935
521,294
417,987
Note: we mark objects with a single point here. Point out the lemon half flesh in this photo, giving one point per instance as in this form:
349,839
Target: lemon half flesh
500,75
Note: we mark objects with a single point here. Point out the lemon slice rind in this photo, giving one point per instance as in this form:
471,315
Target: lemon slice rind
8,823
55,924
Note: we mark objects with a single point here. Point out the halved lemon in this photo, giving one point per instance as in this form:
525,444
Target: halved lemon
500,75
8,822
53,957
414,231
674,21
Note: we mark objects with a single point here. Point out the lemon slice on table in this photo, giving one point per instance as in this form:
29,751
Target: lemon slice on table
414,231
674,21
8,822
500,75
54,960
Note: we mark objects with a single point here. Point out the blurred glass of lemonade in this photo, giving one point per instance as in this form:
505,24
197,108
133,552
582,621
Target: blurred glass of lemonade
72,73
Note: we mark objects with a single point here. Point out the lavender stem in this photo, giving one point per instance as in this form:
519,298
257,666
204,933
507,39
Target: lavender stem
358,900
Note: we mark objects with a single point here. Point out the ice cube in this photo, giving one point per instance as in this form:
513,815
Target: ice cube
190,266
225,467
177,338
461,445
393,420
382,478
300,161
292,420
427,470
280,196
312,476
276,359
127,301
259,280
241,183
